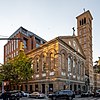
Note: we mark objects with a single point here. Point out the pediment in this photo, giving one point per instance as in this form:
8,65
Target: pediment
73,42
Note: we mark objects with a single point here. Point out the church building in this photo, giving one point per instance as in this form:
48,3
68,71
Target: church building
64,62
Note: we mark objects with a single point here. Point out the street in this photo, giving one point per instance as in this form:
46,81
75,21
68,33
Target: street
77,98
85,98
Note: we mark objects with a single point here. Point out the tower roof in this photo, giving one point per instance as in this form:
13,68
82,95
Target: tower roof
86,12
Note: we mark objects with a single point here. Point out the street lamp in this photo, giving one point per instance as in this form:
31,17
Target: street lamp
47,78
69,78
87,82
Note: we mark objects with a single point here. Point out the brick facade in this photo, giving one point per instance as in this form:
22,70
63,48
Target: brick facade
84,31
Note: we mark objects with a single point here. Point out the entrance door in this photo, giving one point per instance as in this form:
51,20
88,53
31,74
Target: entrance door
36,87
43,88
31,89
26,87
50,87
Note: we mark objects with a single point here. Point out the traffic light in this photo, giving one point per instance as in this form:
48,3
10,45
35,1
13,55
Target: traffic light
21,46
99,62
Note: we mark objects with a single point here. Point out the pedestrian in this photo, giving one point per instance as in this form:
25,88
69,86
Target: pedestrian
4,96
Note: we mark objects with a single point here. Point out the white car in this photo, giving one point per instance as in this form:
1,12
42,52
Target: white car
38,95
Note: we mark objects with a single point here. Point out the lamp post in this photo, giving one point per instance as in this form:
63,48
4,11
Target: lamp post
47,79
69,78
87,82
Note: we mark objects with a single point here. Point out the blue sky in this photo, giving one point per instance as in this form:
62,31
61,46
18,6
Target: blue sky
47,18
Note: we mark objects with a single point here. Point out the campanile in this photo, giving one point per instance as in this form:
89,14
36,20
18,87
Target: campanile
84,32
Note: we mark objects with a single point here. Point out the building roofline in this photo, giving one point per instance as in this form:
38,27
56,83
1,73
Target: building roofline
25,32
53,40
85,13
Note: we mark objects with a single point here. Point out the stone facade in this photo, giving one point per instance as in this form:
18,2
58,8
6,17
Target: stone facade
58,64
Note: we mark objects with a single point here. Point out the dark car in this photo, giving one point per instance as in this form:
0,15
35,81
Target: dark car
97,92
25,94
62,94
12,95
87,94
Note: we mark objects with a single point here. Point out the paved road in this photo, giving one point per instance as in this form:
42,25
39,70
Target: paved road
85,98
78,98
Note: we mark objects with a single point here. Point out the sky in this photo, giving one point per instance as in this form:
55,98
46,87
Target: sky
47,18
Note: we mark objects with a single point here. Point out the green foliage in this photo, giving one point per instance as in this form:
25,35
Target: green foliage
98,69
17,70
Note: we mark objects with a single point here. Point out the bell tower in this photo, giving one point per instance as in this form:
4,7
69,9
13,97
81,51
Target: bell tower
84,32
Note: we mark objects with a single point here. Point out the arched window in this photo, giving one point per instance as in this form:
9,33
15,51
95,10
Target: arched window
63,61
82,69
84,20
43,62
74,67
32,64
51,60
79,68
37,64
80,22
69,64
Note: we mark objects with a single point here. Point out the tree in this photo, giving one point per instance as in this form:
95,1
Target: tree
97,66
22,65
17,69
6,73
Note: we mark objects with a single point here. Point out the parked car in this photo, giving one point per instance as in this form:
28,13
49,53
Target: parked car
12,95
38,95
25,94
97,92
87,94
62,94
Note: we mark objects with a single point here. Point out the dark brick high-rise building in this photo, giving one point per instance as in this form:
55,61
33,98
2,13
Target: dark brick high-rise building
29,39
